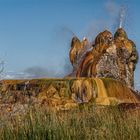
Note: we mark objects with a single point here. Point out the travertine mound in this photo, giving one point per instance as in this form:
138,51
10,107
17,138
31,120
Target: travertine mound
67,93
103,74
110,57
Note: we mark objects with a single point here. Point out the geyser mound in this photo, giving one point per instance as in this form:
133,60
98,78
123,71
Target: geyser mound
110,57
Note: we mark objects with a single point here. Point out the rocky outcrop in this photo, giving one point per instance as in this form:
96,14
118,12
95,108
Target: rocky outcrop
87,67
77,52
127,57
111,57
64,94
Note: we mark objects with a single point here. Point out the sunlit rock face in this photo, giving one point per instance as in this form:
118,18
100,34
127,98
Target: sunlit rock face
65,94
89,66
111,57
77,51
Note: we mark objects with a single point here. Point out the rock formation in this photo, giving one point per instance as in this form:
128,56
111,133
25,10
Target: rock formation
64,94
127,56
87,67
109,58
77,51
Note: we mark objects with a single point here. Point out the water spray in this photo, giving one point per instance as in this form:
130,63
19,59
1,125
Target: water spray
66,29
122,16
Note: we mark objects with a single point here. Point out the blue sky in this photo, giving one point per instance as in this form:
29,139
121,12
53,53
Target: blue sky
38,32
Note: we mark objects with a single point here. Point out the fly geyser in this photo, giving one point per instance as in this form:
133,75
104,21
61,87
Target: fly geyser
103,74
110,57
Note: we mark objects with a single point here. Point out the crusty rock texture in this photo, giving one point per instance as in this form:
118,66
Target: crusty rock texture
65,94
127,57
111,57
77,52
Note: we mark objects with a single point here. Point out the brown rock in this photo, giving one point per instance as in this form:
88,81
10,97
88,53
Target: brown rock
49,92
77,51
87,67
110,58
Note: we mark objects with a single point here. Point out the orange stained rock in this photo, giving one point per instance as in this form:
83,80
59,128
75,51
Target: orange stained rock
87,68
76,47
85,62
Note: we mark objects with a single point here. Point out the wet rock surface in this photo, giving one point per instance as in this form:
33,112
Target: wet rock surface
110,57
63,94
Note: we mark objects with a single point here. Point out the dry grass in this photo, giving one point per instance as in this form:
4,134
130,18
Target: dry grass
30,121
85,123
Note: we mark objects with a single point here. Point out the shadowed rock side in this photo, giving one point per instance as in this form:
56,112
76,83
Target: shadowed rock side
67,93
127,57
109,58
